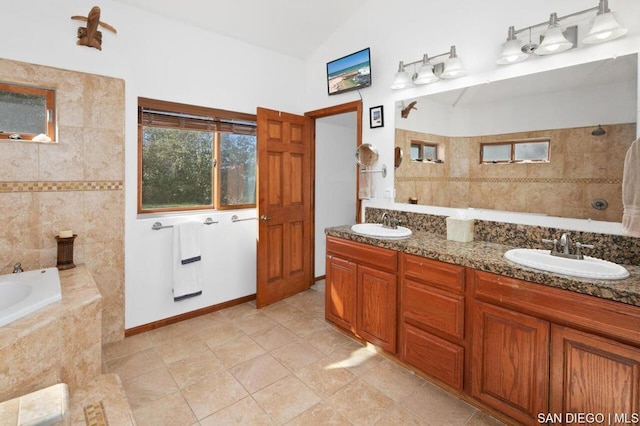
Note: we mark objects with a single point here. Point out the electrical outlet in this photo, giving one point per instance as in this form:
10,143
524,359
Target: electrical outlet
389,193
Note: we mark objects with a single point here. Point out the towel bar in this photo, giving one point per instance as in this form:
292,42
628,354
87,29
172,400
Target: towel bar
156,226
383,171
235,218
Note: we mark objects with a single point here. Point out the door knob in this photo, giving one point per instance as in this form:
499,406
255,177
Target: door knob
264,218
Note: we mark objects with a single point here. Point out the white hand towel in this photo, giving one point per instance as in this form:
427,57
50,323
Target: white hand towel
631,191
365,185
187,261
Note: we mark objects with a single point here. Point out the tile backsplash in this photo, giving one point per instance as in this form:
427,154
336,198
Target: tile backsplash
615,248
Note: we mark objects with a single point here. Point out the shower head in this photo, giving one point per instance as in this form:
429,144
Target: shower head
599,131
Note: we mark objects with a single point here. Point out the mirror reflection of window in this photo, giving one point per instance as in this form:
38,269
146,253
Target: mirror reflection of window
416,152
27,113
515,152
535,151
424,151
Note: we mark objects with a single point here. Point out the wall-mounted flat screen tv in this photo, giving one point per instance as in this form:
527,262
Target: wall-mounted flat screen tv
351,72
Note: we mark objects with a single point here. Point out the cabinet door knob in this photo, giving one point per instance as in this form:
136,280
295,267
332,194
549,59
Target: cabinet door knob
265,218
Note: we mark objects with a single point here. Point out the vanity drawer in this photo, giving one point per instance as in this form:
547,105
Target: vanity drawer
433,355
433,309
433,272
364,254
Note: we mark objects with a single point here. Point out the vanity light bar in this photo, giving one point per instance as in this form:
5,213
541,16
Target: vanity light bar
428,72
605,28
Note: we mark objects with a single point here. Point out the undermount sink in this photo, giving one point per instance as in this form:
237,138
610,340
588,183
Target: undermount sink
378,231
588,267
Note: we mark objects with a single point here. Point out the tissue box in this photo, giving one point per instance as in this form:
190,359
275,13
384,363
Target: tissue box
459,229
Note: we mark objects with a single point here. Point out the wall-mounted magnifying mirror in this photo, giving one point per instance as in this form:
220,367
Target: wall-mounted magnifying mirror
366,155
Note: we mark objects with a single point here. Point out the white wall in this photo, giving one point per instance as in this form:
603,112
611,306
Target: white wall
335,182
166,60
406,29
614,103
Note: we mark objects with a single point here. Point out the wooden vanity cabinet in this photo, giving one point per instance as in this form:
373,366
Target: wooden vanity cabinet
541,350
594,375
361,290
510,363
432,318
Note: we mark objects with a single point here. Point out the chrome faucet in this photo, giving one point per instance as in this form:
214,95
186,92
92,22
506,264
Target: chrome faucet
17,268
389,221
564,248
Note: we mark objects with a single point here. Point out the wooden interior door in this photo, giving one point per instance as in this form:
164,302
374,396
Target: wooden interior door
285,206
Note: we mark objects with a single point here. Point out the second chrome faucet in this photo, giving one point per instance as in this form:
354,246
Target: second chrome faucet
562,247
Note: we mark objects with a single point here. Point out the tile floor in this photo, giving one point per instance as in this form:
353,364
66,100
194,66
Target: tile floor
279,365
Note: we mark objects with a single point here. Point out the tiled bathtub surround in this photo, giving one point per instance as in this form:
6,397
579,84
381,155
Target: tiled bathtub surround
582,167
59,343
614,248
75,184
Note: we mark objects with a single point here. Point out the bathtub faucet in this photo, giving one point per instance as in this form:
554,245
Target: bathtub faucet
17,268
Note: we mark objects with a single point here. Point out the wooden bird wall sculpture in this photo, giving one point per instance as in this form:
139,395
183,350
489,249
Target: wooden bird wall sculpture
406,110
90,36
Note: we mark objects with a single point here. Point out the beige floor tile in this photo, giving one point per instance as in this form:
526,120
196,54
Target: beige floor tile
126,346
238,351
482,419
320,414
172,410
219,334
304,325
309,301
393,380
259,372
286,399
297,354
149,387
282,311
356,358
251,324
179,329
328,340
244,412
325,377
213,394
135,364
360,403
195,368
179,348
437,406
274,337
239,311
397,416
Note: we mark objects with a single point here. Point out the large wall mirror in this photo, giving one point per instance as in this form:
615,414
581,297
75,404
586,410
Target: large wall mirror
587,113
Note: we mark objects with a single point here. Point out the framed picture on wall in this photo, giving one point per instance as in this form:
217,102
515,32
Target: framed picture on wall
376,117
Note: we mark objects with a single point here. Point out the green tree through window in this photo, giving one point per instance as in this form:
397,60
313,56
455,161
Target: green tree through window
178,146
177,168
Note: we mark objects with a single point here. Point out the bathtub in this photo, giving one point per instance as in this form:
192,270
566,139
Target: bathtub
26,292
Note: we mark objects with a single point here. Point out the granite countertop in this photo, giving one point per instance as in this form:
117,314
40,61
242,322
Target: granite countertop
488,257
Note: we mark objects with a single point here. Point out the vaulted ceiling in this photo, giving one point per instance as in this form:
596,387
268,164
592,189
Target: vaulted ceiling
292,27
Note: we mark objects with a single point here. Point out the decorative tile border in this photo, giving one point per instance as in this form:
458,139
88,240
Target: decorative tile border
511,180
60,186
